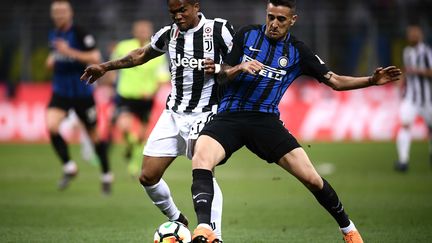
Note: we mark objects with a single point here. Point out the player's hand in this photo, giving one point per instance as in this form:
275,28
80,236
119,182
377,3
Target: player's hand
209,66
61,46
385,75
253,67
93,73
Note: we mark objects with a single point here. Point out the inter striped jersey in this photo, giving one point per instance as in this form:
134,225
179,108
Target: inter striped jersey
283,60
418,88
192,90
67,71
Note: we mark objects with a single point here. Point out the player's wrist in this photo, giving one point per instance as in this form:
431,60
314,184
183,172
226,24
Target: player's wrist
217,68
371,81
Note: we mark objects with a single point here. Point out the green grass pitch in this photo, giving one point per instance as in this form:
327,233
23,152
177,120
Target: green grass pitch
262,203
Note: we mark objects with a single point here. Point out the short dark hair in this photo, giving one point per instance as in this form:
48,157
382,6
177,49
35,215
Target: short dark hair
190,1
287,3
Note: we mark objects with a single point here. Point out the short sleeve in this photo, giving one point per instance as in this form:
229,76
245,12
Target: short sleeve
310,63
160,38
234,56
87,40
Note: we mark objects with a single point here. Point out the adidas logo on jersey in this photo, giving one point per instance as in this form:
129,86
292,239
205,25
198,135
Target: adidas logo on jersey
187,62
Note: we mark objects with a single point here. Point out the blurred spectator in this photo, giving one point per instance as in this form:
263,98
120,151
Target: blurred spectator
136,88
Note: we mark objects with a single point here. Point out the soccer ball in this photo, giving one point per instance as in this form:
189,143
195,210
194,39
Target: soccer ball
172,232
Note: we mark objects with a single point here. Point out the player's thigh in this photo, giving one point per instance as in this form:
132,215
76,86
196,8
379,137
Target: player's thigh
153,169
407,113
86,112
54,117
299,165
165,139
208,153
124,121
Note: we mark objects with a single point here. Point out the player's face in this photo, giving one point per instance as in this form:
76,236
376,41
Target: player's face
279,20
61,14
184,14
414,35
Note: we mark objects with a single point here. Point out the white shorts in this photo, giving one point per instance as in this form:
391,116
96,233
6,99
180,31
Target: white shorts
409,111
174,134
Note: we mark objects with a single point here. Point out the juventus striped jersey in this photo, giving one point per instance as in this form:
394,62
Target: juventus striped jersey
283,60
418,88
192,91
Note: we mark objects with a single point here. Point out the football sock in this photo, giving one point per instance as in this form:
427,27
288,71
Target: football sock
349,228
87,150
60,147
328,198
101,149
403,142
202,194
216,210
161,196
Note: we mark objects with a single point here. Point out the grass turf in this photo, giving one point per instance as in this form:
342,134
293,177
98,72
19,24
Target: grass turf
262,203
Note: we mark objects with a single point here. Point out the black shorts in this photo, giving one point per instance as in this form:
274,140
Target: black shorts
141,108
84,108
262,133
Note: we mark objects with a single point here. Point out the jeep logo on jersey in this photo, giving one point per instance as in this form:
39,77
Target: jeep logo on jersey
187,62
267,71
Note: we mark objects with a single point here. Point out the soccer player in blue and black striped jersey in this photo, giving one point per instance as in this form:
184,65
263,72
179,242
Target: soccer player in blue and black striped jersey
72,49
263,62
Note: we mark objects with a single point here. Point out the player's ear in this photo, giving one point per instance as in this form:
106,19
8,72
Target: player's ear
293,19
197,6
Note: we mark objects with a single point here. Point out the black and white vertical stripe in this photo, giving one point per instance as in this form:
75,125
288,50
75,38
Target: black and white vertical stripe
418,88
192,90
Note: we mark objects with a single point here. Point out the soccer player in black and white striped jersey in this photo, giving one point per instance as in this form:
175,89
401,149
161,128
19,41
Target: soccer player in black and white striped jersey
417,98
193,100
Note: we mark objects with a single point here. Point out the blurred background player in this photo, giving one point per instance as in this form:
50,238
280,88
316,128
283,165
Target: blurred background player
192,101
136,88
417,97
72,49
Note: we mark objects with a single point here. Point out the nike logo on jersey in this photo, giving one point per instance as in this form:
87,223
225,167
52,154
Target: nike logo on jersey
253,49
202,193
193,63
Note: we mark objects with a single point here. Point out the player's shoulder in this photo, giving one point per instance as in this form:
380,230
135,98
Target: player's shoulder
251,27
80,30
165,29
297,43
83,35
241,33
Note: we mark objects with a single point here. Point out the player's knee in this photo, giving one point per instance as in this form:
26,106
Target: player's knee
200,160
313,182
148,179
53,128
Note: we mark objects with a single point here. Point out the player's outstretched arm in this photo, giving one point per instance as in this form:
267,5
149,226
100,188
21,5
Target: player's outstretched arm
134,58
380,76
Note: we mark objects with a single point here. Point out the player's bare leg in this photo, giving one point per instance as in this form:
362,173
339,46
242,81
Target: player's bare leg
298,164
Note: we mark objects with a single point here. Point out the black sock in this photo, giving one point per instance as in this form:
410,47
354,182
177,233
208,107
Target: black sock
60,147
102,153
202,194
328,198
